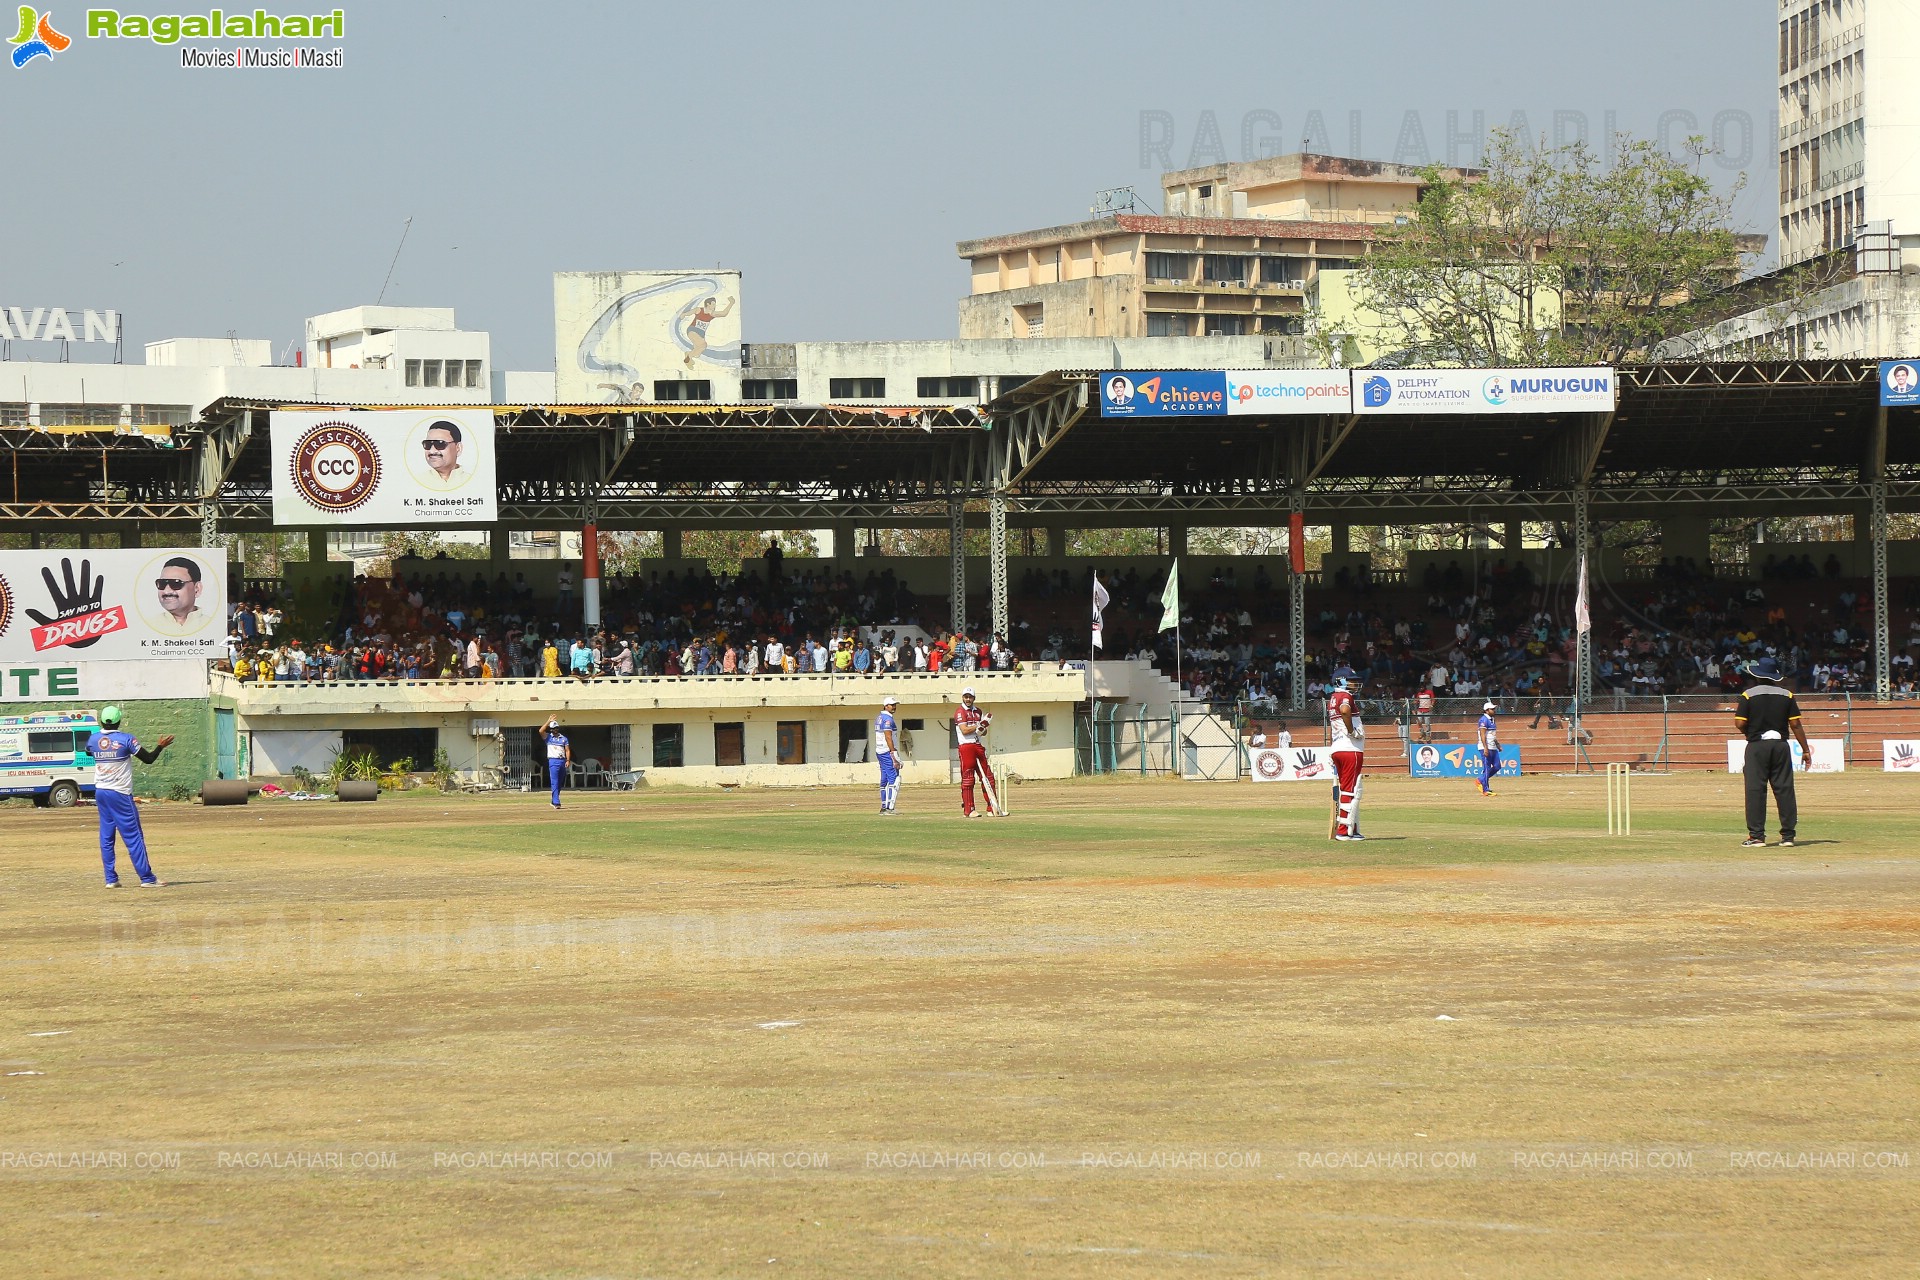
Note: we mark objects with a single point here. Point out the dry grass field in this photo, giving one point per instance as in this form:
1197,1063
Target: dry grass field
1138,1029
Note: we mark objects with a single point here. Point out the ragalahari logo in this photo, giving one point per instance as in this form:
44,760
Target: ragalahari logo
37,38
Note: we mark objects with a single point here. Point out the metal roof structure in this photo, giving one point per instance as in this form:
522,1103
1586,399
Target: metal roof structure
1732,439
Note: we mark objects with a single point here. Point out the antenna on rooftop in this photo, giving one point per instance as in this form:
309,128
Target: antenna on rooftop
396,261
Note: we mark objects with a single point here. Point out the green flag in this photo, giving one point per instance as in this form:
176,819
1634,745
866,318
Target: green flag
1170,600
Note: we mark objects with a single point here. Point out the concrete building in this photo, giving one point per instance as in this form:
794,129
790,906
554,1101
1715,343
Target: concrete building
791,730
365,355
1849,135
1234,254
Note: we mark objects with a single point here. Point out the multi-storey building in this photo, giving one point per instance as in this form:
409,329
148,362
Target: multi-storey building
1849,122
1234,254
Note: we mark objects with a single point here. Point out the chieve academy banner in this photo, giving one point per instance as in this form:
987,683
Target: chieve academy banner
64,607
383,467
1204,393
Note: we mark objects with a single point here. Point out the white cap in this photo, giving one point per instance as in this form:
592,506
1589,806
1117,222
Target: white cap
968,692
1487,706
889,701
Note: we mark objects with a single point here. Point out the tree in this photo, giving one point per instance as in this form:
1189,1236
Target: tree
1555,256
725,550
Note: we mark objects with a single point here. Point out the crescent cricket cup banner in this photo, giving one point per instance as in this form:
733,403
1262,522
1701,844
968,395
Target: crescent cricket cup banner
383,467
112,606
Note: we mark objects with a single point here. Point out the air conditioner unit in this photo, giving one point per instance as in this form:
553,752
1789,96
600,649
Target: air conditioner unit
484,728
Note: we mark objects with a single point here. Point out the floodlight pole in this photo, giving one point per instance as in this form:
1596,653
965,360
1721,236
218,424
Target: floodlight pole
957,554
1296,608
1877,531
1583,648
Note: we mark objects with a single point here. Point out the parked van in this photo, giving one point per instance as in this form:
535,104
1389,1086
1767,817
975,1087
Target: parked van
44,755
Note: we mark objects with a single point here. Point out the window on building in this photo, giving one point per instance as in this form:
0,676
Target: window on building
790,739
1206,191
948,388
473,373
1284,272
13,415
1162,325
770,389
669,746
430,373
1033,319
857,388
667,390
413,373
1226,326
1169,266
389,745
79,415
913,726
1014,381
730,743
162,415
1038,724
1226,268
851,731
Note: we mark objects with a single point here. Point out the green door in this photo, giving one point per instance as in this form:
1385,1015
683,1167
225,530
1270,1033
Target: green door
226,743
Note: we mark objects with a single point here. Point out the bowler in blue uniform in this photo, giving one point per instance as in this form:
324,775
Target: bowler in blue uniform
1489,749
559,756
886,738
114,750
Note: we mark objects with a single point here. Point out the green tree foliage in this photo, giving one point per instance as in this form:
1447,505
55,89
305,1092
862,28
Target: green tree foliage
1557,256
725,550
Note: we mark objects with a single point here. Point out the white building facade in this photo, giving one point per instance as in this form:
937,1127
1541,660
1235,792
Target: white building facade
1849,124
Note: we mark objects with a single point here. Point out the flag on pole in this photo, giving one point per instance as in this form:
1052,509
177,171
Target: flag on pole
1170,600
1100,598
1582,621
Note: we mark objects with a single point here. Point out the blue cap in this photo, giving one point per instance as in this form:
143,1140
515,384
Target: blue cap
1763,669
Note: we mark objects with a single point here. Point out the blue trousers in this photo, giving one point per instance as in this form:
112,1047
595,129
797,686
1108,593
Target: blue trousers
889,779
1489,768
556,770
118,816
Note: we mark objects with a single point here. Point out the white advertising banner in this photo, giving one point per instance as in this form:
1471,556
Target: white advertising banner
1829,755
1900,755
383,467
58,608
1293,764
619,333
1515,391
1272,391
98,683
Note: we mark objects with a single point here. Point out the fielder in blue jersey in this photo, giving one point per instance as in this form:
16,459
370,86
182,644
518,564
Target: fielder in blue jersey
559,756
886,740
114,751
1489,749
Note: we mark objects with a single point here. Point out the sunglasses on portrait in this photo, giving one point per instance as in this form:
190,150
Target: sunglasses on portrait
436,446
171,584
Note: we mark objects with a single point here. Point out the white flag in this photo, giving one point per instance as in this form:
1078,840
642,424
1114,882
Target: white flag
1582,621
1170,600
1100,599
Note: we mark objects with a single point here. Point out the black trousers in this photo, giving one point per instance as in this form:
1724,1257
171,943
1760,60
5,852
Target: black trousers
1770,764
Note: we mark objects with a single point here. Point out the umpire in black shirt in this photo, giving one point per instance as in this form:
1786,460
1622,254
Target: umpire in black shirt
1766,715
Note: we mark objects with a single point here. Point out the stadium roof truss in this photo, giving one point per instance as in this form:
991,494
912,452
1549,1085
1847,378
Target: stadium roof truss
1727,439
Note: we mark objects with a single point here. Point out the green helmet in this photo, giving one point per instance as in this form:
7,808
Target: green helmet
109,717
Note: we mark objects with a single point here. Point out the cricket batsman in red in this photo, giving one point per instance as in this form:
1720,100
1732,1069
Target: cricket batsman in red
1349,738
970,725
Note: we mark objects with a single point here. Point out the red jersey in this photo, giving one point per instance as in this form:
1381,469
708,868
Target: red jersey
968,722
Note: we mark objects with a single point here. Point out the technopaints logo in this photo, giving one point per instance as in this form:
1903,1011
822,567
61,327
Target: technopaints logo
37,38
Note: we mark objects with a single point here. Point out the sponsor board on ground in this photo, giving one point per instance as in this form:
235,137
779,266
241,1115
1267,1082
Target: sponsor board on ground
1829,755
1290,764
1425,760
1900,755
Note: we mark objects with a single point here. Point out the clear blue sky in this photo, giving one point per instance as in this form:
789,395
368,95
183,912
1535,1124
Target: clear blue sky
834,152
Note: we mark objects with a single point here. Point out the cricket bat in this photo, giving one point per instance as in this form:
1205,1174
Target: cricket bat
993,796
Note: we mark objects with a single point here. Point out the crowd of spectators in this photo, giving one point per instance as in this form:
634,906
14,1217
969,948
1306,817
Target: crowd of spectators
1494,632
431,621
